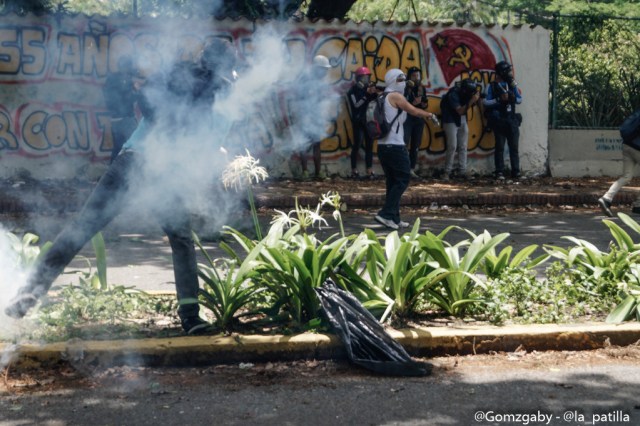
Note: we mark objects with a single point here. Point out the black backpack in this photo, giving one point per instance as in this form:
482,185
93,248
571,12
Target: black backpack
630,128
377,125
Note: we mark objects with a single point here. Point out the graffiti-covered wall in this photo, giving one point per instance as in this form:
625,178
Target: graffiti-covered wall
53,121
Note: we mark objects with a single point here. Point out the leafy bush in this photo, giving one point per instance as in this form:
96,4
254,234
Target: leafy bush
393,276
25,250
227,287
93,300
454,291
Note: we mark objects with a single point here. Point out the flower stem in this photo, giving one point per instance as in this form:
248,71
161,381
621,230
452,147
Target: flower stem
341,225
254,213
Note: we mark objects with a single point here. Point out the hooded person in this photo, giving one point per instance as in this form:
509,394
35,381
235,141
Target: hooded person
359,95
169,103
392,151
414,126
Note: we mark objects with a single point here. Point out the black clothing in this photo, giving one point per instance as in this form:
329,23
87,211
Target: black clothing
505,124
359,99
453,99
414,126
395,163
120,97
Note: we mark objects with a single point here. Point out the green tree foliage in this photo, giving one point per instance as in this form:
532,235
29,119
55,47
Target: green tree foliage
487,11
598,85
25,6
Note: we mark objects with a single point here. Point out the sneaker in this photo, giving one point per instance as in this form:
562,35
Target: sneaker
446,177
402,224
372,176
195,325
414,175
606,207
20,305
499,176
386,222
355,175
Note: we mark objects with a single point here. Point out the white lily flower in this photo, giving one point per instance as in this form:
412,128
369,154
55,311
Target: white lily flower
243,171
283,219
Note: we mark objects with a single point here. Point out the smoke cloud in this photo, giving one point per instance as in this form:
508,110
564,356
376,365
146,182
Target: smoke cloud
188,147
13,275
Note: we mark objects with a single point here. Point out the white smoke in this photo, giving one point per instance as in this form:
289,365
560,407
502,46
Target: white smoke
185,161
12,276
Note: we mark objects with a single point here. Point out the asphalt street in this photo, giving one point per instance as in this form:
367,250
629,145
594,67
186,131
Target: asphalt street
139,255
578,388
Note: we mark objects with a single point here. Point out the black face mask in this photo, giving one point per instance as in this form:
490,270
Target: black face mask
507,77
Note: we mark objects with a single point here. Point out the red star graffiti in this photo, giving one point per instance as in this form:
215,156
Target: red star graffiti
461,50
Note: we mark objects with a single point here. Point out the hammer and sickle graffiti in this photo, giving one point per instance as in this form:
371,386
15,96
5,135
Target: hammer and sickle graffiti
463,55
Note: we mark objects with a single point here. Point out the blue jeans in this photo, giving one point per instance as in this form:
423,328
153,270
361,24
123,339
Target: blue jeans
395,162
103,205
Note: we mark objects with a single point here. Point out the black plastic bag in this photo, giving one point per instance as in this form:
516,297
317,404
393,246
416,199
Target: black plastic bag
367,344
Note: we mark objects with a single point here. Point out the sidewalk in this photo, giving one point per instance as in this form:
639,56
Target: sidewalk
17,196
541,191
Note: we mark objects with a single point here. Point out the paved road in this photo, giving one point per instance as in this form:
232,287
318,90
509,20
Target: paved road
139,255
507,389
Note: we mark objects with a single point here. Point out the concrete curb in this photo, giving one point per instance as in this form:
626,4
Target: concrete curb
208,350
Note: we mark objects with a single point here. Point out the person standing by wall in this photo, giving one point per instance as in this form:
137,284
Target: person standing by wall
500,108
120,96
454,105
392,151
359,95
414,126
309,93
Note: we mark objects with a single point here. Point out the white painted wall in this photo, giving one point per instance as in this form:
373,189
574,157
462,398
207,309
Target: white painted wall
578,153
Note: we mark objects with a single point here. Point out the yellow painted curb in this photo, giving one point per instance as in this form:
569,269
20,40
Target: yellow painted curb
207,350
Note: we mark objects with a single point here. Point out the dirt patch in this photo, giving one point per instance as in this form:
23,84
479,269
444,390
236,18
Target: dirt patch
296,373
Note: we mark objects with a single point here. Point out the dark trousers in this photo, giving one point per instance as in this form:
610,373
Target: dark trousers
506,130
317,158
394,160
105,202
413,128
121,130
360,134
